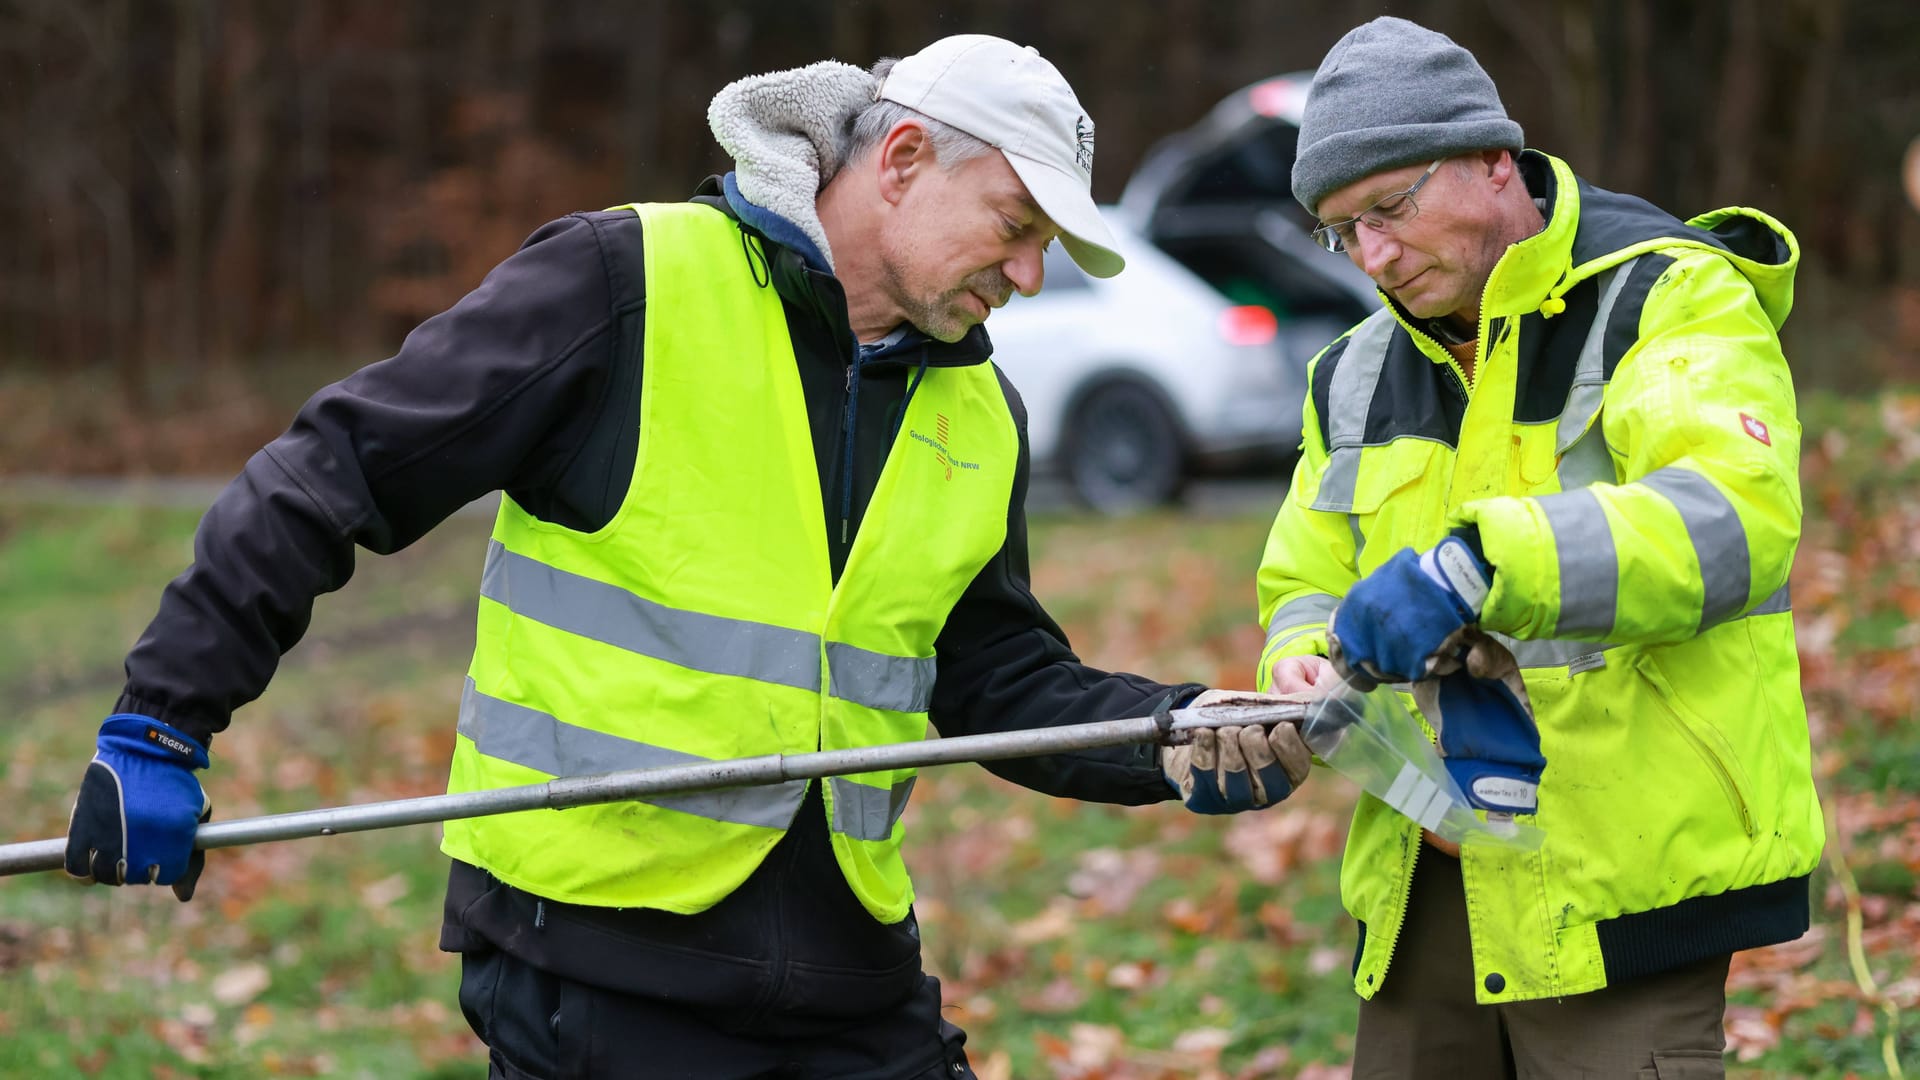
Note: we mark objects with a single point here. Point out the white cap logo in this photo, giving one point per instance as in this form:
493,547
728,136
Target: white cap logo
1083,152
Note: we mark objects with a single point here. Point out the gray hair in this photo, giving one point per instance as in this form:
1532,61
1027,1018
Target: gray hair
951,146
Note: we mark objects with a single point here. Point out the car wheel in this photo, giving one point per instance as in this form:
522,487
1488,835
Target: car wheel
1123,450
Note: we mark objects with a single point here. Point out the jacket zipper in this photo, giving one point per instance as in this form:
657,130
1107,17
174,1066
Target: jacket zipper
1719,768
1457,378
1481,339
1650,674
1406,900
850,405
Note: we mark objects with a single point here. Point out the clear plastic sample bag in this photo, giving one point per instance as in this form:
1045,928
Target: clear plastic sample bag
1374,740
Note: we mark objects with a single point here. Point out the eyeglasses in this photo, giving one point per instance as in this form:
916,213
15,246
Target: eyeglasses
1387,215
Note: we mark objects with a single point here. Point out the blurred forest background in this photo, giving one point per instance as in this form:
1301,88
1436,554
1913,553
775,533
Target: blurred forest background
201,192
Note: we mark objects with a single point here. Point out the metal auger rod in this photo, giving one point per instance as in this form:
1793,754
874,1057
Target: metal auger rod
635,784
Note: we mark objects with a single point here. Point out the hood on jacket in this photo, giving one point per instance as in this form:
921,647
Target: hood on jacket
1590,229
785,131
1762,248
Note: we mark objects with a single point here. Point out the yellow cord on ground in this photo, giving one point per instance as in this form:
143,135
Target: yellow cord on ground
1856,950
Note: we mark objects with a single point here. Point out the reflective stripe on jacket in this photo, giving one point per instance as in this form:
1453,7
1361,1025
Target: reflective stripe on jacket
1629,450
703,623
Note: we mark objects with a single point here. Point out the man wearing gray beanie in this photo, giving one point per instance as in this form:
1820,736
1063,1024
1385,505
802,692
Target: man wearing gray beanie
1570,427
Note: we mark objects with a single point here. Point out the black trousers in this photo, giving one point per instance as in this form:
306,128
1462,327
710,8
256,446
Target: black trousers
540,1026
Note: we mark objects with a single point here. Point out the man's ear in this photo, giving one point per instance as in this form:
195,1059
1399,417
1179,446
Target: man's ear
903,156
1498,167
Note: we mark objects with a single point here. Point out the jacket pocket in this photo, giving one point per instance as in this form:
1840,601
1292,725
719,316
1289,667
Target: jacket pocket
1535,458
1685,1065
1705,738
1363,483
1358,479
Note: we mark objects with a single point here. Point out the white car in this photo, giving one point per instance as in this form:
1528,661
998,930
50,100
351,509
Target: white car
1137,382
1194,359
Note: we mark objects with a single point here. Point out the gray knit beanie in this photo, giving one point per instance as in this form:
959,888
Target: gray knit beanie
1394,93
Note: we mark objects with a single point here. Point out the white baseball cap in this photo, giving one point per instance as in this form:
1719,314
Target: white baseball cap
1011,98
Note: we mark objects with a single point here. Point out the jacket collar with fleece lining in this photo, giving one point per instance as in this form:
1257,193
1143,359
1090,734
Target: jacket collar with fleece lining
784,132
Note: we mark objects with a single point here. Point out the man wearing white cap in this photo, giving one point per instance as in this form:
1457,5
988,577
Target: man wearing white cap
764,494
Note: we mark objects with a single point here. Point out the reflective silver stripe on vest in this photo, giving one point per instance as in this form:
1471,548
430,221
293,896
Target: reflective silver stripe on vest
528,737
1590,371
1589,566
1576,656
1579,440
1779,602
865,812
1348,400
1338,481
1301,615
1579,656
879,681
610,614
1719,540
1587,463
701,642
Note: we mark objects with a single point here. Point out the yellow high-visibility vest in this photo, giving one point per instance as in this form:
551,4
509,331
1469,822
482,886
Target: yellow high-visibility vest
703,623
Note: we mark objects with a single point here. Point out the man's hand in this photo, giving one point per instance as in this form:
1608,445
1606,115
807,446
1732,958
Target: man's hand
138,808
1303,675
1230,769
1391,626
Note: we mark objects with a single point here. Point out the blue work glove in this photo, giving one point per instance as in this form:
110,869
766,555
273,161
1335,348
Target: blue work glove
1394,621
139,807
1478,705
1230,769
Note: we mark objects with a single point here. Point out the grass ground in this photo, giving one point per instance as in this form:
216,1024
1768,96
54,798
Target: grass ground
1074,941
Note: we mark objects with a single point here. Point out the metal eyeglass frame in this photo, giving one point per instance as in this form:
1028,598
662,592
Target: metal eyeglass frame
1329,237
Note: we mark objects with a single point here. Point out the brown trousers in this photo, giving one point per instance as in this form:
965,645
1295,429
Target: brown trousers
1425,1024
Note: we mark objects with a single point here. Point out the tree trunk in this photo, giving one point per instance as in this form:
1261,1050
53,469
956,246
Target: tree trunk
313,183
1742,83
645,91
185,186
1630,143
237,278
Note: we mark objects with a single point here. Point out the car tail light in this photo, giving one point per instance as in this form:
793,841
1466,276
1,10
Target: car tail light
1248,324
1278,98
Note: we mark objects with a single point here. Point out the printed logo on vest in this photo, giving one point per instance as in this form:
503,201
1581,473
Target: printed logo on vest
939,444
1756,429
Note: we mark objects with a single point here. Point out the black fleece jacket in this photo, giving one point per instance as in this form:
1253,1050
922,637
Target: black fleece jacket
530,384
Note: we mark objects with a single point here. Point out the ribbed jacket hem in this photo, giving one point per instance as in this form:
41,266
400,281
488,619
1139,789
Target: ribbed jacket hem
1646,942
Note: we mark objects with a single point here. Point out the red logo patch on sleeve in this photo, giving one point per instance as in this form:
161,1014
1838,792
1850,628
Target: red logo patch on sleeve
1756,429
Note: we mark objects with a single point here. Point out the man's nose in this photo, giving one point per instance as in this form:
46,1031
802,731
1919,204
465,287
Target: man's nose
1027,269
1372,251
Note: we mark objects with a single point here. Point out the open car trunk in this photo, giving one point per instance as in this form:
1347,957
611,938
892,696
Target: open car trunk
1218,197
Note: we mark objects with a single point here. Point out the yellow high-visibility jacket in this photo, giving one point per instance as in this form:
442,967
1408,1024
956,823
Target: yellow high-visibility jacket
1629,451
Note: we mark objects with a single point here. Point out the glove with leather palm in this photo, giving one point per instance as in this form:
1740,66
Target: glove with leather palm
1479,707
1393,622
139,807
1230,769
